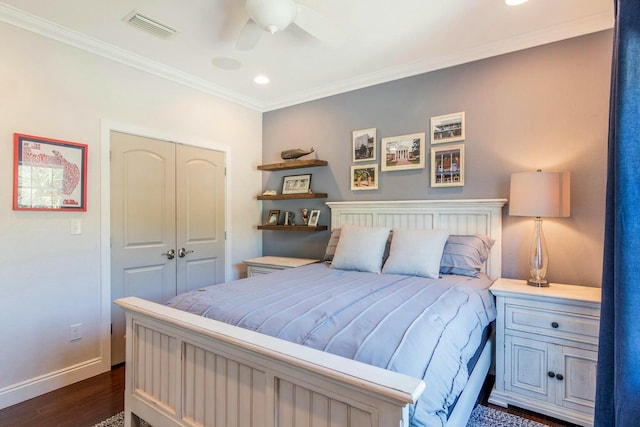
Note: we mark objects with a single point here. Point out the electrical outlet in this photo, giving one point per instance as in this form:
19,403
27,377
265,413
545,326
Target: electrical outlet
75,332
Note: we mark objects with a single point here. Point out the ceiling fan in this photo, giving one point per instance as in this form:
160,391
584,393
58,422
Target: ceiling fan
276,15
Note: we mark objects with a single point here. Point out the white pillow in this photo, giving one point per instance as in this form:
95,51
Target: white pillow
416,252
360,248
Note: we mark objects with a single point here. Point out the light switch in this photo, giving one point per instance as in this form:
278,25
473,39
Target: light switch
76,226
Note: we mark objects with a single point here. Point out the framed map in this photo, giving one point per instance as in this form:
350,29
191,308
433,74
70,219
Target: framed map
49,174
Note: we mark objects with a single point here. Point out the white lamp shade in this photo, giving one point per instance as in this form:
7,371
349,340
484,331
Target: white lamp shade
540,194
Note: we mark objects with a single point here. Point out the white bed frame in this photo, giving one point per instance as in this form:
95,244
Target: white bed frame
186,370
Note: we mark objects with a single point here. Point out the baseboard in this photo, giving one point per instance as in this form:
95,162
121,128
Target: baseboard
37,386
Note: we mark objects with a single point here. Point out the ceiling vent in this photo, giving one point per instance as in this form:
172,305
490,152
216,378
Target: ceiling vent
149,24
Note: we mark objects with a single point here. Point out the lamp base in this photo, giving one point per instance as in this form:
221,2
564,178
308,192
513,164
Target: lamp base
540,283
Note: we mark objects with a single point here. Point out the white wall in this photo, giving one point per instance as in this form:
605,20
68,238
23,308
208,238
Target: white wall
50,279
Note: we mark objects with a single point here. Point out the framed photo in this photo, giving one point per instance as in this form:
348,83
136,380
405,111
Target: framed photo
447,166
447,128
364,145
49,174
313,218
364,177
296,184
273,217
403,152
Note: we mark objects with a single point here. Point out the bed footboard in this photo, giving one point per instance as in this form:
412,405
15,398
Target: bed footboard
186,370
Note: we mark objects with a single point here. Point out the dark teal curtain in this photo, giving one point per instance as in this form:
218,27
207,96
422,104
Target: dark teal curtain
618,378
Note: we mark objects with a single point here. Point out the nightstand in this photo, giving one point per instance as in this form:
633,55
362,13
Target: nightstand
547,349
269,264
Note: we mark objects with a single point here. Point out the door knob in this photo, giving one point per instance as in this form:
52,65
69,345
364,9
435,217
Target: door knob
171,254
182,252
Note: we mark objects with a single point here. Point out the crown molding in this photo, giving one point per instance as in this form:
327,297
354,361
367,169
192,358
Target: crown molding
21,19
591,24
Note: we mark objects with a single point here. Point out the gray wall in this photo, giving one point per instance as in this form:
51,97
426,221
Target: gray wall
541,108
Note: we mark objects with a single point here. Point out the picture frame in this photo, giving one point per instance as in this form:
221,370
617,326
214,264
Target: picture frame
313,217
403,152
447,166
296,184
49,174
273,217
364,177
448,128
364,145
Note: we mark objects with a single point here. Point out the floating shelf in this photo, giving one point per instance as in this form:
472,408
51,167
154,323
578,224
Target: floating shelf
293,164
292,227
294,196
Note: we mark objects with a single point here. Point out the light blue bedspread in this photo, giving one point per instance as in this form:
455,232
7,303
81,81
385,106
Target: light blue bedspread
426,328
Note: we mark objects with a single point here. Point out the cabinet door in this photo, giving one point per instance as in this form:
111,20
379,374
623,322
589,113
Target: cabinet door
578,388
526,368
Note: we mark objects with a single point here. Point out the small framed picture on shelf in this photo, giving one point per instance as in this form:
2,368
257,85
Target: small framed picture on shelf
364,145
364,177
296,184
273,217
447,166
447,128
313,218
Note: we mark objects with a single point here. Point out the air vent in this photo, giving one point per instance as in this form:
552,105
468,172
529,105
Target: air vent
149,24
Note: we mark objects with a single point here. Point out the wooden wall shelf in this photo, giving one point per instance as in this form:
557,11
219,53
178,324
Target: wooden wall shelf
294,196
293,164
292,227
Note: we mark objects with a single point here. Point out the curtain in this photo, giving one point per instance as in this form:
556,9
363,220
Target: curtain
618,375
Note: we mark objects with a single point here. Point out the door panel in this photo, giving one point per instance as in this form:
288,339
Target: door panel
142,225
200,185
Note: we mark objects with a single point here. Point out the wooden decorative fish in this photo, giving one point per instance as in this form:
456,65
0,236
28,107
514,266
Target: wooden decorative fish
295,153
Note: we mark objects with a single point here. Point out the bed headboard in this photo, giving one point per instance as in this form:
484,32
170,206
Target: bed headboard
471,216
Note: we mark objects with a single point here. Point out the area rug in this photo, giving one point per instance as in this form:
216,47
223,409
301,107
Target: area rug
480,417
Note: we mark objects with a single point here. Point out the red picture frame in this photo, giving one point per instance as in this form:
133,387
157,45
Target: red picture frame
49,174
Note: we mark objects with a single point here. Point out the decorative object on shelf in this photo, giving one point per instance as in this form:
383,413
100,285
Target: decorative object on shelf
289,218
295,153
270,193
539,194
313,218
448,128
364,145
305,216
403,152
364,177
296,184
447,166
273,217
49,174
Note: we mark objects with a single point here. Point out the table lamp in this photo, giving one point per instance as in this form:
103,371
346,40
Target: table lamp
539,194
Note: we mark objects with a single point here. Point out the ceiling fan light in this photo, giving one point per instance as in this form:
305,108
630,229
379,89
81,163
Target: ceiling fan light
272,15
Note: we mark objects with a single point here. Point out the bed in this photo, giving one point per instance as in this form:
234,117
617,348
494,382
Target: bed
184,369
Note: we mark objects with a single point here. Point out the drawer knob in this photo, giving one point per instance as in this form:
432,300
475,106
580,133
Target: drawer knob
554,325
559,377
551,374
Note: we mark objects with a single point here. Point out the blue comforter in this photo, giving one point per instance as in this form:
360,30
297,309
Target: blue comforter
426,328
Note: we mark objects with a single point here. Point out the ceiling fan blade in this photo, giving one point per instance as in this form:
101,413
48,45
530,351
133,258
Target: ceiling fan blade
249,36
318,26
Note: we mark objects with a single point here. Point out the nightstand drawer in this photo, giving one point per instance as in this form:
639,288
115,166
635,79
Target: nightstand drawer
552,323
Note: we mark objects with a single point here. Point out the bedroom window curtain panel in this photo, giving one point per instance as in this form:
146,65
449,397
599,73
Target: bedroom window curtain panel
618,375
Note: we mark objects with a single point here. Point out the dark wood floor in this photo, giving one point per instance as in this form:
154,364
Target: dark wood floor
90,401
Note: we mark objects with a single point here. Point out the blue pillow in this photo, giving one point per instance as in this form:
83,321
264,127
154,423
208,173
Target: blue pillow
465,255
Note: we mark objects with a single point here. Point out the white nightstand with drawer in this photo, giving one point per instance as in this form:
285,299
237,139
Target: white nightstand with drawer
269,264
547,348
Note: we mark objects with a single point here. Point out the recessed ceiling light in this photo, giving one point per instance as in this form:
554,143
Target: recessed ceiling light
226,63
514,2
261,79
